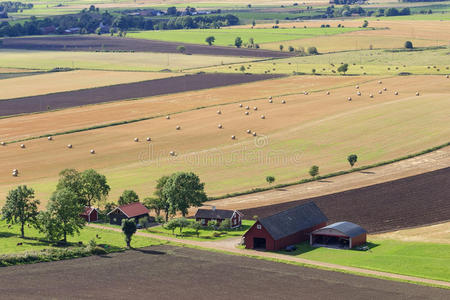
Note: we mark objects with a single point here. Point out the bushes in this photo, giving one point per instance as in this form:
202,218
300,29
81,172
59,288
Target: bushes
408,45
312,51
44,256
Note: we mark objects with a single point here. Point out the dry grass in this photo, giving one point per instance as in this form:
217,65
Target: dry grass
70,81
439,233
312,129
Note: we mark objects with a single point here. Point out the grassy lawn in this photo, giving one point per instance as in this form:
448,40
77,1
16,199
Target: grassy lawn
226,36
10,237
428,260
204,234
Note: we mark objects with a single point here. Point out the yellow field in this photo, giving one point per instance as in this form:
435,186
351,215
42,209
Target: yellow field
439,233
308,129
70,81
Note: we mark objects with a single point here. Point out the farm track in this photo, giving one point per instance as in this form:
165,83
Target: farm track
96,43
123,92
412,201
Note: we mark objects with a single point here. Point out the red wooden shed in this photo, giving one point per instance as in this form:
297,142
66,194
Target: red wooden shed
135,210
345,235
286,228
206,215
90,214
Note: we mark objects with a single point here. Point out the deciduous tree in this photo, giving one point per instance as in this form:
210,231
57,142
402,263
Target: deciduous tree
128,228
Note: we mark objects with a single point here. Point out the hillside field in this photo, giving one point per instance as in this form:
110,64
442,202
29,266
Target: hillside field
308,129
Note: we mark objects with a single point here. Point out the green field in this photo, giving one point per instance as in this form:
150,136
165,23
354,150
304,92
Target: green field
10,237
124,61
427,260
364,62
226,36
204,234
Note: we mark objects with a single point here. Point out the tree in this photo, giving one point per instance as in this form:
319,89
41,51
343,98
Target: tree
63,216
277,22
128,228
314,171
171,225
242,69
183,190
352,159
281,48
238,42
20,207
225,224
365,24
157,204
128,196
159,193
270,179
408,45
181,49
343,68
251,42
196,226
291,49
213,224
253,23
183,223
312,51
172,10
210,40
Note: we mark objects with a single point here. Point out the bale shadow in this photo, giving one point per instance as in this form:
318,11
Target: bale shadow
367,172
326,181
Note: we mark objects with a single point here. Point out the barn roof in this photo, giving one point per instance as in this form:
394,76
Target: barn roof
87,211
133,209
346,228
293,220
220,214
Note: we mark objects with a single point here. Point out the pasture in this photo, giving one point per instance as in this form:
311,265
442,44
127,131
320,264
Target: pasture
226,36
308,129
112,61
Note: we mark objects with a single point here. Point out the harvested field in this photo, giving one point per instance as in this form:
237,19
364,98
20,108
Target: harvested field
121,92
184,273
438,233
307,129
102,43
55,82
403,203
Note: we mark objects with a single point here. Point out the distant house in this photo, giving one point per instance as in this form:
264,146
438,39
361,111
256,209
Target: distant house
206,215
286,228
339,235
90,214
134,210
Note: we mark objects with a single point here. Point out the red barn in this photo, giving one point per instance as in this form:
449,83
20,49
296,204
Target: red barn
135,210
345,235
206,215
286,228
90,214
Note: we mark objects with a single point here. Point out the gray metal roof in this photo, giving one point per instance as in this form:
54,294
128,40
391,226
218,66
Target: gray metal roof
346,228
220,214
293,220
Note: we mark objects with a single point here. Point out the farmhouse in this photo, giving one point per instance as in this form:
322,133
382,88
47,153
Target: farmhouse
90,214
344,235
206,215
286,228
134,210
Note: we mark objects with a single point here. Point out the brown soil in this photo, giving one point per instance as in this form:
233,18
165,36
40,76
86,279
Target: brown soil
167,272
407,202
101,43
123,91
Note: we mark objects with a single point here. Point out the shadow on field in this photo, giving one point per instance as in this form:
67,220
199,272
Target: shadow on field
7,234
367,172
147,251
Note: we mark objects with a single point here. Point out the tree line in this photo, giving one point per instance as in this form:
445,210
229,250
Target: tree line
347,11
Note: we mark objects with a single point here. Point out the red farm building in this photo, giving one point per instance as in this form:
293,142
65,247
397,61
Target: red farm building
343,235
286,228
90,214
134,210
206,215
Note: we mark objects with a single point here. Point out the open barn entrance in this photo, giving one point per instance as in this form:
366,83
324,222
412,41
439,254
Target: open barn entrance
259,243
330,241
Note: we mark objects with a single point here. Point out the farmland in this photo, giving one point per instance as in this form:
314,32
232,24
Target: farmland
392,125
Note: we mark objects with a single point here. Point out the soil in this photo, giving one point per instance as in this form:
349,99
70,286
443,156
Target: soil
412,201
166,272
102,43
123,91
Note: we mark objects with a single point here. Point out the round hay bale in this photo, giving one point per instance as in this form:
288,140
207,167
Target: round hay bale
447,76
172,153
136,139
247,107
240,105
2,143
396,93
92,151
357,87
219,112
249,131
328,93
14,174
385,89
270,101
417,94
380,82
283,102
22,146
246,113
380,92
270,98
178,127
233,137
371,96
305,92
349,98
358,93
69,146
15,171
255,108
220,126
263,117
50,138
168,117
149,139
254,133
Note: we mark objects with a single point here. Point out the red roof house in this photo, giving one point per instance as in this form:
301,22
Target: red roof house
90,214
134,210
218,215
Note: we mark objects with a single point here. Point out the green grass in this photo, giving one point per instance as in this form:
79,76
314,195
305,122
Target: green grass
226,36
427,260
34,241
205,234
